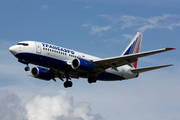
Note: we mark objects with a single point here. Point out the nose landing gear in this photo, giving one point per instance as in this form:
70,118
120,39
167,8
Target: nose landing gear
27,68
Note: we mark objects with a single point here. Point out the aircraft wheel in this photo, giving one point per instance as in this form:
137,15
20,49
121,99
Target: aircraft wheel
94,80
27,68
66,85
70,84
90,80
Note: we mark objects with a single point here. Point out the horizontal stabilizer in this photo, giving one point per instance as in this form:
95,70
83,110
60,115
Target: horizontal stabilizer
140,70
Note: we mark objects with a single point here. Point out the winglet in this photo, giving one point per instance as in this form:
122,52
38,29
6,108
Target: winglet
168,48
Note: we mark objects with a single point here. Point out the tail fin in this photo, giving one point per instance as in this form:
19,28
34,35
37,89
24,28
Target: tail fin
134,46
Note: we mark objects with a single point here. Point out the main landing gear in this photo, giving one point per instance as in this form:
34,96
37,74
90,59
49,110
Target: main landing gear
68,83
92,80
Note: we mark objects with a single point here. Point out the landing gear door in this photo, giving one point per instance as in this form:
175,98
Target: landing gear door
38,47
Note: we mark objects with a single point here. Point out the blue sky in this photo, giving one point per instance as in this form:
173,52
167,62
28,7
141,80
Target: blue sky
98,27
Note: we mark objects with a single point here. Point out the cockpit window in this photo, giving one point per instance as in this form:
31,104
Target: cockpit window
24,44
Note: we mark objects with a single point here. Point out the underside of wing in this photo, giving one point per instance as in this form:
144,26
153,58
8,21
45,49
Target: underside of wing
61,76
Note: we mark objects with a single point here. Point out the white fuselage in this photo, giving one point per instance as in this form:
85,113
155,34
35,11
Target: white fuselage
59,58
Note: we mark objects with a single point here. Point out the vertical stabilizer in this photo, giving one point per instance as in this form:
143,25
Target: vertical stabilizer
134,46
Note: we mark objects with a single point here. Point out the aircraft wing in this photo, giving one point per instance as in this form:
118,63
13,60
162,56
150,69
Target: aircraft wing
126,59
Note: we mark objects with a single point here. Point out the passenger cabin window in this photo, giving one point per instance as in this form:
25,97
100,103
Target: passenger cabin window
24,44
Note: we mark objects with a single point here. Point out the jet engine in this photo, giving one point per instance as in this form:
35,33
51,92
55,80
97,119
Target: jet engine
41,73
82,65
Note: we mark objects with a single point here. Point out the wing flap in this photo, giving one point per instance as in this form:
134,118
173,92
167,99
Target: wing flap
140,70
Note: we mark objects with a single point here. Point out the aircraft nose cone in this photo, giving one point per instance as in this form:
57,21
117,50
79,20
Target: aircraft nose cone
13,50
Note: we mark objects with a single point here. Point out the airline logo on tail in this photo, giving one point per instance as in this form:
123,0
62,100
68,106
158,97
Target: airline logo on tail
134,47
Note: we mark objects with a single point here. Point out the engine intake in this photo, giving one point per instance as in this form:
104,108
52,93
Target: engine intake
82,65
41,73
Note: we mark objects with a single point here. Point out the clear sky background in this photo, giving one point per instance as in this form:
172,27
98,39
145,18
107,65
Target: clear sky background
101,28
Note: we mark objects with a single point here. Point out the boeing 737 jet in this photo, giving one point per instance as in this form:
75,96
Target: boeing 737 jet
58,62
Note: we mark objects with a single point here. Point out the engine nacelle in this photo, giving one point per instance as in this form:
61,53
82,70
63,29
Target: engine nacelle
82,65
41,73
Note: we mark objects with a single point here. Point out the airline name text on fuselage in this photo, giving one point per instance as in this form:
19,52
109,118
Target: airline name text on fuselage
57,48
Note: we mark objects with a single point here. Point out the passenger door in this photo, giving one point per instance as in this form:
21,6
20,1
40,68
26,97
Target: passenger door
38,47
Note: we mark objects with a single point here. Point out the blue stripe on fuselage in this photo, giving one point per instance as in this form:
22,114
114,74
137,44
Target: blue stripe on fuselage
43,61
61,66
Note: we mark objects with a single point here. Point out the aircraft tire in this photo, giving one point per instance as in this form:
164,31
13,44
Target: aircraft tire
66,85
27,68
94,80
90,80
70,84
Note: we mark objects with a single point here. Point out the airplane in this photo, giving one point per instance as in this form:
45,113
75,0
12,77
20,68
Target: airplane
58,62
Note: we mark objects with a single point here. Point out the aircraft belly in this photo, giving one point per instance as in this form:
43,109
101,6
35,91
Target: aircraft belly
60,65
109,77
